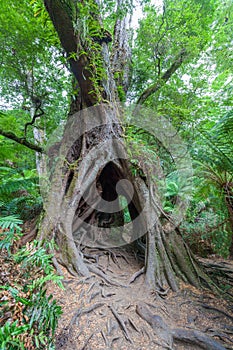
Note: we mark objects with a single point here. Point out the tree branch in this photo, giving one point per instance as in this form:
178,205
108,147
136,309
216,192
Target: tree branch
33,120
165,77
21,141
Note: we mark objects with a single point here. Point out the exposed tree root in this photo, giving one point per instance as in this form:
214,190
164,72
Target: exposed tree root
93,284
118,326
57,267
121,323
81,312
216,333
197,338
114,339
99,273
29,236
106,295
208,307
136,275
165,333
221,270
133,325
93,295
87,341
106,341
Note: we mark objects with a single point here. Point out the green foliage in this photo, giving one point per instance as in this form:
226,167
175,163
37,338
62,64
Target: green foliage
31,62
9,231
123,204
19,192
121,93
37,312
13,120
180,25
30,67
10,222
32,255
205,229
90,31
194,100
41,313
213,151
9,336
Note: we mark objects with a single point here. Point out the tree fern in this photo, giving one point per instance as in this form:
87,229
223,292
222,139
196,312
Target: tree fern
214,166
218,149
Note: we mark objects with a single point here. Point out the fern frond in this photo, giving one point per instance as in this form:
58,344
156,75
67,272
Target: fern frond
12,186
219,142
10,222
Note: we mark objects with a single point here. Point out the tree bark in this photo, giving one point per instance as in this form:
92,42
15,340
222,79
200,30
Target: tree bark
228,190
121,54
63,23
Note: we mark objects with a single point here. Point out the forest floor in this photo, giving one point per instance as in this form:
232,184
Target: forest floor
103,312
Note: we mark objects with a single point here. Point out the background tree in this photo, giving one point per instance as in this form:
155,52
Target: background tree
34,87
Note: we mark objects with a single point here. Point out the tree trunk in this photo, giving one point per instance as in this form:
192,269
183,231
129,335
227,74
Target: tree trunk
228,190
89,170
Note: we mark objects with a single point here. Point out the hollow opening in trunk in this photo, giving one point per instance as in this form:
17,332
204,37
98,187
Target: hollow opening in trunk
109,203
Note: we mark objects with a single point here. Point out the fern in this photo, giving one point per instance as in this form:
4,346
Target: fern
19,192
11,222
12,186
224,128
40,282
25,205
10,336
39,316
31,255
219,142
11,231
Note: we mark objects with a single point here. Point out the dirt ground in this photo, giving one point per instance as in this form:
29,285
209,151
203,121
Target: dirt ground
101,312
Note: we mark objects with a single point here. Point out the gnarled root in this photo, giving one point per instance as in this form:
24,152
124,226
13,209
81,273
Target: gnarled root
169,335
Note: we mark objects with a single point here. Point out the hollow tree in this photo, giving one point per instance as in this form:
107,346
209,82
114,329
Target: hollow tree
87,174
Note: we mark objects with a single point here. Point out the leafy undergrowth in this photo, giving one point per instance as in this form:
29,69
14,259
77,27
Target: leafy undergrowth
28,315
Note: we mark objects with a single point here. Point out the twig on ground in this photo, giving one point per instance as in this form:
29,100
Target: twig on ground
106,295
133,325
87,341
93,295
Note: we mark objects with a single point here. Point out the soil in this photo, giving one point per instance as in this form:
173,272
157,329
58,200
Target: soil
102,311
